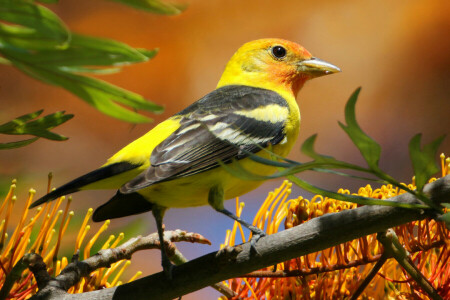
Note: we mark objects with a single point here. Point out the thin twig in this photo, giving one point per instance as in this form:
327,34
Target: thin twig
71,274
393,248
311,271
11,278
336,267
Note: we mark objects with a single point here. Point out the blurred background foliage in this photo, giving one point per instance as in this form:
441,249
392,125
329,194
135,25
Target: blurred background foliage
34,40
397,51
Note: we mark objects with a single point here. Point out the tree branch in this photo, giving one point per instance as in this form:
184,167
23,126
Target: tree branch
315,235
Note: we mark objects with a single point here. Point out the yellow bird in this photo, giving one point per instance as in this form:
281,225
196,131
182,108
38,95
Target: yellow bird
176,164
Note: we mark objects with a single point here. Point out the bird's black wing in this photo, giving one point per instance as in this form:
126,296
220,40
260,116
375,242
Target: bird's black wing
229,123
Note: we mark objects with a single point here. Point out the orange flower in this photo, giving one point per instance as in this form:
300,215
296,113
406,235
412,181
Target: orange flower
51,223
336,272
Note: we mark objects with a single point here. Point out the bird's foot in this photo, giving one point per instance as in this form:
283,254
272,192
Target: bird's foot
256,235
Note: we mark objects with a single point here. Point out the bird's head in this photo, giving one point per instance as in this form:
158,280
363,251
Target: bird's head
274,64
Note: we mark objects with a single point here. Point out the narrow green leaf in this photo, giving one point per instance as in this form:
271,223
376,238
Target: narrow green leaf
34,26
97,71
98,93
85,51
39,127
99,87
326,167
351,198
308,149
321,170
155,6
446,219
238,171
148,53
50,121
286,169
328,161
12,145
10,126
49,135
369,149
423,160
270,162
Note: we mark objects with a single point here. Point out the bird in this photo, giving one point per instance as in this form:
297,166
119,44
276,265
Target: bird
180,162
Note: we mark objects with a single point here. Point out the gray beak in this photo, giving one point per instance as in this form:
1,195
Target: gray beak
316,67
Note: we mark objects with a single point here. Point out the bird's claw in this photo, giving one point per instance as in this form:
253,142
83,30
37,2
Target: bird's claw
257,234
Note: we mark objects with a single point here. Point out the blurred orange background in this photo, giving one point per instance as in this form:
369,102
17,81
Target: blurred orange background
398,51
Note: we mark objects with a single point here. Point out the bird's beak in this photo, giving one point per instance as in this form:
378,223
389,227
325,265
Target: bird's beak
316,67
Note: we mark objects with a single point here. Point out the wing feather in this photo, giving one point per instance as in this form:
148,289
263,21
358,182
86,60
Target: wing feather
211,130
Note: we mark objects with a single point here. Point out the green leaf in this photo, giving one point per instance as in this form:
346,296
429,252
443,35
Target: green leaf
348,175
149,53
423,160
100,94
59,67
39,127
291,167
155,6
308,149
446,219
97,71
19,121
286,169
237,170
87,51
12,145
328,162
270,162
369,149
351,198
33,26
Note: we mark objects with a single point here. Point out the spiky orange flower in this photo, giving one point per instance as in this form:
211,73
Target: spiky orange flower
336,272
51,223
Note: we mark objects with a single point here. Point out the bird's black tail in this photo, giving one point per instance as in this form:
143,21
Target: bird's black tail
76,184
122,205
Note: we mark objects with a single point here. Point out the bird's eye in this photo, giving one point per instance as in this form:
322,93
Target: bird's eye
279,52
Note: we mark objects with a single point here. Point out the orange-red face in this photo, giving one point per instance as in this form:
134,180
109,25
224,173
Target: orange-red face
281,60
275,63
